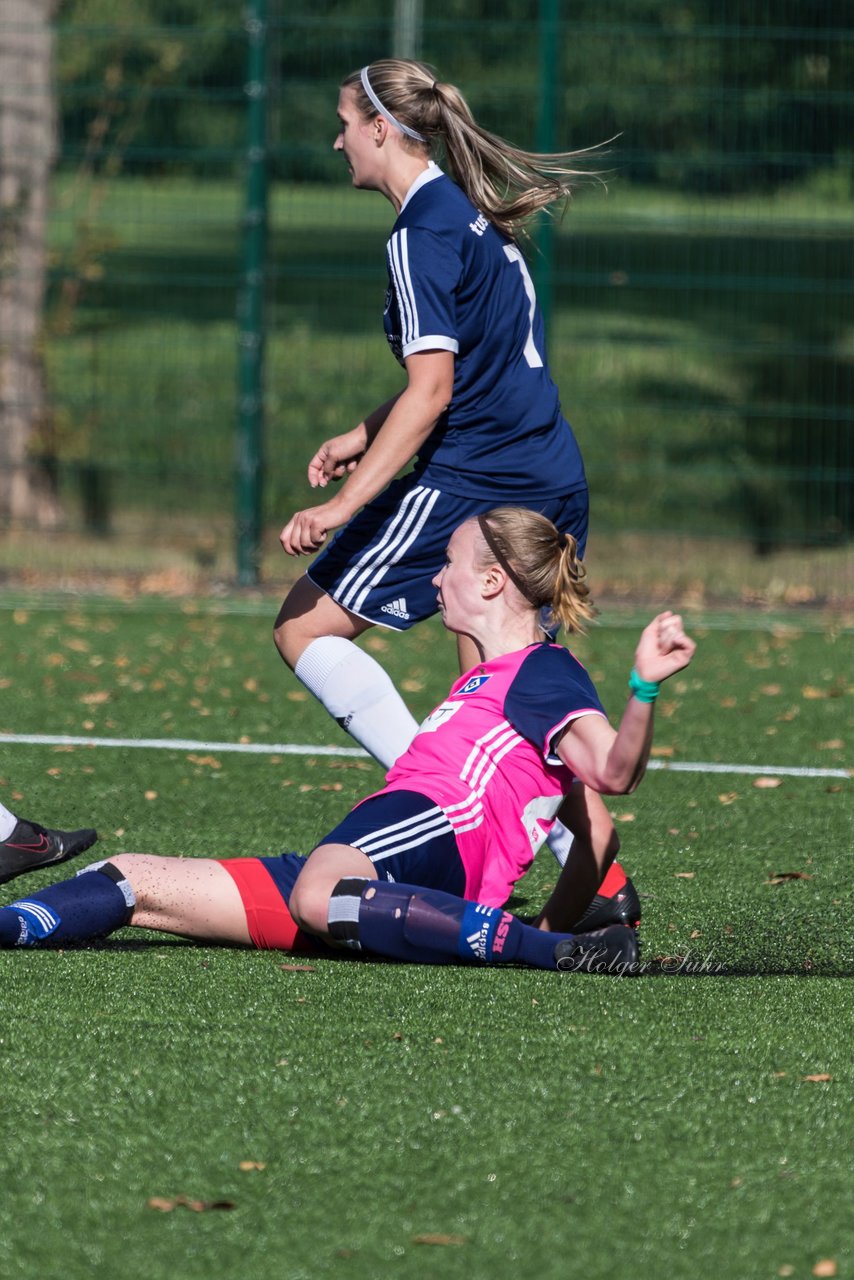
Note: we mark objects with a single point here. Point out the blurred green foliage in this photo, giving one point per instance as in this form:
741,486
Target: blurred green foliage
701,94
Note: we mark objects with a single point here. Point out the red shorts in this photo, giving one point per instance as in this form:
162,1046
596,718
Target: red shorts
270,923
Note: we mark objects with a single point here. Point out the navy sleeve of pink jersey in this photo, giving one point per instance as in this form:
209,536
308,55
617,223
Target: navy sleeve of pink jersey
424,272
551,688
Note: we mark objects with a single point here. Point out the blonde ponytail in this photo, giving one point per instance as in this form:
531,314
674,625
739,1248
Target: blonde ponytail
506,184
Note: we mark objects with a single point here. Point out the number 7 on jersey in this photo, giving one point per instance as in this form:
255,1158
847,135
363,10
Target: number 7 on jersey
532,355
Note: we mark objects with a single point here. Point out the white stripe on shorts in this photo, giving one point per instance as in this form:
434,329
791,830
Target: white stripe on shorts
406,834
372,566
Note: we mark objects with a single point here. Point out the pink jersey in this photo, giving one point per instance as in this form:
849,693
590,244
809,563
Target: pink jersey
485,757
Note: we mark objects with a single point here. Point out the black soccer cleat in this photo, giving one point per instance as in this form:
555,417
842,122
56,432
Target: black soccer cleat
623,907
31,846
614,950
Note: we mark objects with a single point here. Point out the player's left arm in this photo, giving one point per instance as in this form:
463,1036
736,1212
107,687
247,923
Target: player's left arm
611,761
409,422
340,455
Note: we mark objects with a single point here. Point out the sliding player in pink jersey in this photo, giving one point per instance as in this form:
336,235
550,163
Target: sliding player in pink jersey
420,870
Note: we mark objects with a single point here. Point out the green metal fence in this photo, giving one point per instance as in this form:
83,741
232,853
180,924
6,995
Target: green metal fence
215,286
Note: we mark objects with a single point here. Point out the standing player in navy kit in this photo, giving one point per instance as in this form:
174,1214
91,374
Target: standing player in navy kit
479,416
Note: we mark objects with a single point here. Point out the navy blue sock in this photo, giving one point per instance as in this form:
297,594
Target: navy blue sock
426,926
93,904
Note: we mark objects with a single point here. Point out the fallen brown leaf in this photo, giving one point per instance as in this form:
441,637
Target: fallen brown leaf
728,797
297,968
766,784
810,691
247,1166
662,751
435,1237
825,1267
779,877
624,817
821,1077
684,875
186,1202
210,761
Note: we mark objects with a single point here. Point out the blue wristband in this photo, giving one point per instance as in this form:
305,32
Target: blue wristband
643,690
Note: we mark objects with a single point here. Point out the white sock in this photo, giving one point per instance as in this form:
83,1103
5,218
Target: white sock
359,695
559,841
8,822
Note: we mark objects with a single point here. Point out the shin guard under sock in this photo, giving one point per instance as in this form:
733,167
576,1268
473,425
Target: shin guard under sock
426,926
96,902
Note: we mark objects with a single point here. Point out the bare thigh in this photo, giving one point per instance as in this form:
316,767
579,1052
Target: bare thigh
195,897
309,901
307,613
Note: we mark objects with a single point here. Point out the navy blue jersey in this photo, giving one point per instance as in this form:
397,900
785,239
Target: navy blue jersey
457,284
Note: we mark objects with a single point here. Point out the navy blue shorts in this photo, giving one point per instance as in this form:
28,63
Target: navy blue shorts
406,836
381,565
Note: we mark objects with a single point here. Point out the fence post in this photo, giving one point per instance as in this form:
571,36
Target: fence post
251,319
543,266
406,38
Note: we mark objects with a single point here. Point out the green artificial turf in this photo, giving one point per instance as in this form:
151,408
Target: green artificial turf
429,1122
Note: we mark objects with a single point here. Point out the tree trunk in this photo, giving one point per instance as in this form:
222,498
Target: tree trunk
27,151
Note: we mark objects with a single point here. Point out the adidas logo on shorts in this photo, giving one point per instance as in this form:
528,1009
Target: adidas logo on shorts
397,608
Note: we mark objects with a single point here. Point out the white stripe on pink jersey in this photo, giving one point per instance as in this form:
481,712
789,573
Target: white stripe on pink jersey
505,739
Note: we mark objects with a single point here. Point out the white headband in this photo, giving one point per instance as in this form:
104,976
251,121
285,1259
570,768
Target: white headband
384,111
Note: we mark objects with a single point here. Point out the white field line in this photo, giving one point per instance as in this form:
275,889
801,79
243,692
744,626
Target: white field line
307,749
